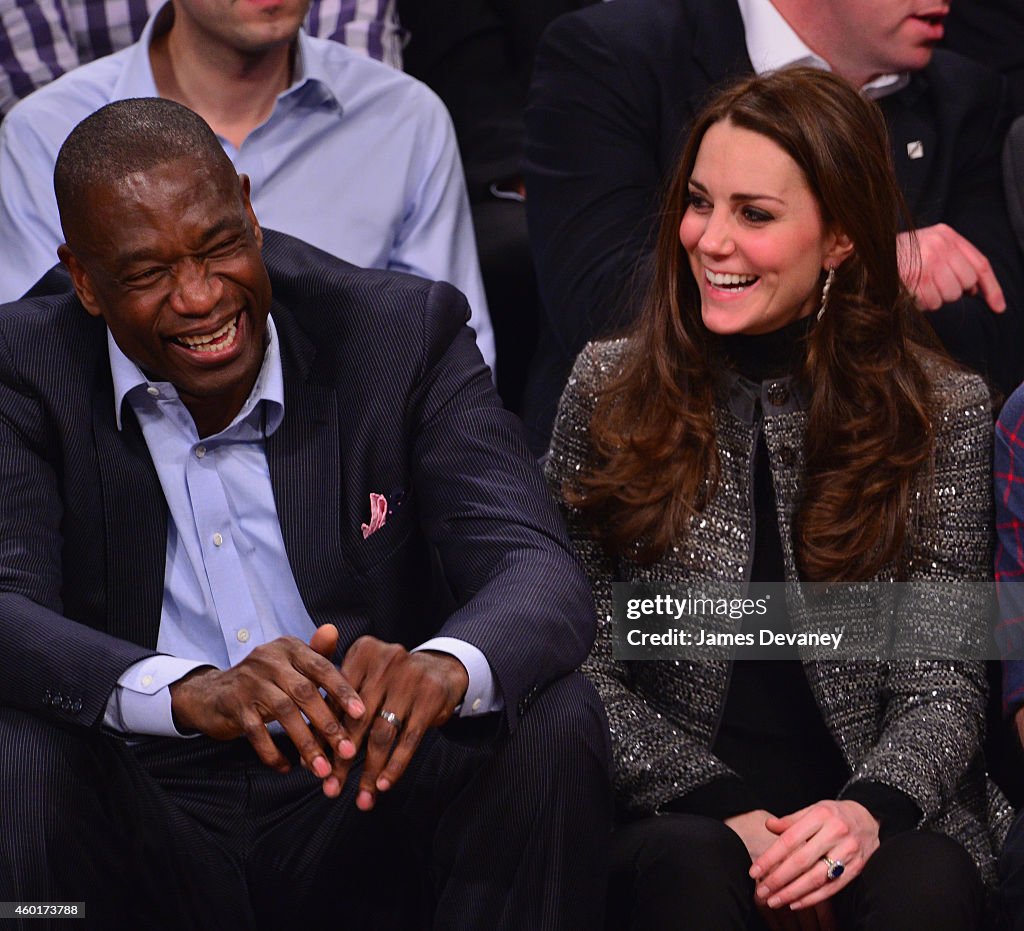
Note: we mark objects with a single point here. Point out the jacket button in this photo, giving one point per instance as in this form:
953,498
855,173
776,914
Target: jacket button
787,457
76,706
778,393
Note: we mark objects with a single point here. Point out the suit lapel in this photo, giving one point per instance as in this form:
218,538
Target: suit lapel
304,456
135,520
914,143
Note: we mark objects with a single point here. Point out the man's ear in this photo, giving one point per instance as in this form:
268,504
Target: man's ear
80,280
245,185
839,251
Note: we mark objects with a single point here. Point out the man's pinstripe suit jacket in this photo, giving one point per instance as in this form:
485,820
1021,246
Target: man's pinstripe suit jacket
385,392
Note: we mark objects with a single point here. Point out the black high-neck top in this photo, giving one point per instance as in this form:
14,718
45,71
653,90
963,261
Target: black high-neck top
771,732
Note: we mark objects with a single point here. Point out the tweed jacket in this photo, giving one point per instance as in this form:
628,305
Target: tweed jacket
911,724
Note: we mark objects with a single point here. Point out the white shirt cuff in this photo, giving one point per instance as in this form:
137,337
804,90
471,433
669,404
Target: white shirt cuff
482,695
141,700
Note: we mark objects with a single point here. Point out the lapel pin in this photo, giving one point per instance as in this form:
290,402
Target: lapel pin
915,149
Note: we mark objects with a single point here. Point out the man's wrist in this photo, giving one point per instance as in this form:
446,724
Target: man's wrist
182,697
455,673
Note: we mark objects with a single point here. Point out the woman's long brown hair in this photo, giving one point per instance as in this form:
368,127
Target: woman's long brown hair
870,425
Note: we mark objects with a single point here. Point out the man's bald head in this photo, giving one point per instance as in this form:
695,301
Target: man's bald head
124,138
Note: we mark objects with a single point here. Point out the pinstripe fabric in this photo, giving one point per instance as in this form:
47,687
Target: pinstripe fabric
197,835
385,391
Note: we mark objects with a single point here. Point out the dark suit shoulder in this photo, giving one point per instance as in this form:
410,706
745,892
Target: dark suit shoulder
349,319
960,74
49,341
640,24
301,275
665,38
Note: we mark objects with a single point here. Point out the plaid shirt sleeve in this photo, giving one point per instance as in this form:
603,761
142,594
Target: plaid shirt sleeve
36,46
41,39
368,26
1009,568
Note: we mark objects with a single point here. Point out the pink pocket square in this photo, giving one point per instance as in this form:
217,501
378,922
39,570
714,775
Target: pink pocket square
378,514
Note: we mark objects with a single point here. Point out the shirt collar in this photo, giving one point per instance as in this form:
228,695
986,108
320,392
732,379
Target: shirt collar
132,385
311,73
136,80
773,44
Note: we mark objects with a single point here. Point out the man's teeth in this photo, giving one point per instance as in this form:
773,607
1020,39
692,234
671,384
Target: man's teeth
720,280
212,341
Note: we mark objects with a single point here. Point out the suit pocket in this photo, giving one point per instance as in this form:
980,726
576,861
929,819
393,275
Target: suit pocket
367,553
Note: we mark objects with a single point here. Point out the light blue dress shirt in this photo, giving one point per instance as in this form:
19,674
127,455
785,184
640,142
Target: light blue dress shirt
42,39
356,158
228,586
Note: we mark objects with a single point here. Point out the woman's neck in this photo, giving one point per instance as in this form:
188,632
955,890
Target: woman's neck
767,355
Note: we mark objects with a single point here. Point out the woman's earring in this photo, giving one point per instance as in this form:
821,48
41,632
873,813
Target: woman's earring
824,291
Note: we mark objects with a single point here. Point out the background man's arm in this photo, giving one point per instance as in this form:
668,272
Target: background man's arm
968,198
29,224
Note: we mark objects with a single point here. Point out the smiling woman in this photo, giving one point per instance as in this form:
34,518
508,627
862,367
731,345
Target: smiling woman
754,234
780,414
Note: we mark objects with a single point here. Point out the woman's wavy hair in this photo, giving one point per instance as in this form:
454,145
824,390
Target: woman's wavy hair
870,426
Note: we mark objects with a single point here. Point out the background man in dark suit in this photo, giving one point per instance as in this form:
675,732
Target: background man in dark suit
217,481
615,87
478,55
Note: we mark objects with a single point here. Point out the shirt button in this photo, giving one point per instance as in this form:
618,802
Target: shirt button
153,391
476,705
200,452
217,539
243,635
778,393
146,680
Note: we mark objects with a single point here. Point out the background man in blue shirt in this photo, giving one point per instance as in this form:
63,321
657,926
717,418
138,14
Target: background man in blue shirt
222,475
348,154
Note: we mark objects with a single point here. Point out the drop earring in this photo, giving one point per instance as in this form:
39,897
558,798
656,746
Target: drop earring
824,291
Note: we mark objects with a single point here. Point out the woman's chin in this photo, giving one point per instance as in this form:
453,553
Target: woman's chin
727,322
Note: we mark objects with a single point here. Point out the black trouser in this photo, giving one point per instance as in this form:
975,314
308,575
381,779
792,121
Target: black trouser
689,871
485,830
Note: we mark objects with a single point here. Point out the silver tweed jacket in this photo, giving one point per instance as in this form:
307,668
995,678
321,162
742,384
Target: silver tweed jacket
912,724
